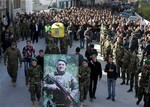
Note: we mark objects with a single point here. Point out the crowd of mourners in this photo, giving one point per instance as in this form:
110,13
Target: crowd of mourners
124,45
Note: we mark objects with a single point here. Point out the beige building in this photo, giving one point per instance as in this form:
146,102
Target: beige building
21,6
2,8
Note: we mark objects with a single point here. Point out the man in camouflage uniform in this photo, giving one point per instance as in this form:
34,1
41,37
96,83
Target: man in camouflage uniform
70,32
34,77
51,48
12,54
84,81
133,69
88,34
125,64
64,42
147,86
24,30
17,30
108,49
119,54
58,82
143,70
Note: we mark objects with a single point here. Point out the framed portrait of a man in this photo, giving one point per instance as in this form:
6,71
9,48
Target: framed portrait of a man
60,86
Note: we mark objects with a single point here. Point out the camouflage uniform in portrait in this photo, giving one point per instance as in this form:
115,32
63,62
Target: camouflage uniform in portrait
60,87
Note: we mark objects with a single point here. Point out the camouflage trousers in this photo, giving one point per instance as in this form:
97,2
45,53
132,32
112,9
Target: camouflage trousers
35,91
133,81
125,73
140,93
102,49
64,50
12,71
146,100
83,87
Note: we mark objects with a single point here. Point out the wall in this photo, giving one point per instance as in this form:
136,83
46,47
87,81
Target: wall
47,2
2,7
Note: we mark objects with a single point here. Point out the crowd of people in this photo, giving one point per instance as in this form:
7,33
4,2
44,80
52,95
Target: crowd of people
127,43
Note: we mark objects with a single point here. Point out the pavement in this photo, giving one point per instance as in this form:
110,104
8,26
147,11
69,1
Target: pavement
20,97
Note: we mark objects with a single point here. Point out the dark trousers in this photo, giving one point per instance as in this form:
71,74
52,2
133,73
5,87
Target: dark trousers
93,87
12,71
132,77
146,100
27,63
35,37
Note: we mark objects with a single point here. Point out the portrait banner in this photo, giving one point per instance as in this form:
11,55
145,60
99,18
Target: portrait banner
60,84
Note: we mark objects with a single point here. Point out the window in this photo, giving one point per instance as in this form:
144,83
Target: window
16,4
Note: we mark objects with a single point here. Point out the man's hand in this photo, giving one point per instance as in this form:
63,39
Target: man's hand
79,76
69,98
53,87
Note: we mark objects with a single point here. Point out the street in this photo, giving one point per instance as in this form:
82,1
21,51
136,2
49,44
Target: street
20,97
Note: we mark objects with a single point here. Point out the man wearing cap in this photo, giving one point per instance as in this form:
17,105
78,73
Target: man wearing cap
143,70
12,55
133,68
64,81
34,77
84,81
96,71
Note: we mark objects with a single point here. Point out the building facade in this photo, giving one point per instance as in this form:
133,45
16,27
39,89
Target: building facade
66,3
21,6
47,2
2,8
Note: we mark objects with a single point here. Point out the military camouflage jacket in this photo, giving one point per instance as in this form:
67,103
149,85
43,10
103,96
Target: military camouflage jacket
34,74
84,73
13,56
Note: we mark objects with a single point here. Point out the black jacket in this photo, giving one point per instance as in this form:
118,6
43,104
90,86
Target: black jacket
96,69
90,52
112,74
40,61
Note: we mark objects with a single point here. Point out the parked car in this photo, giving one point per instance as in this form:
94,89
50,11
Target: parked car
133,18
127,13
50,10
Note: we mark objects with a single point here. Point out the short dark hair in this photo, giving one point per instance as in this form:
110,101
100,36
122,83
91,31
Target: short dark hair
77,49
41,50
28,41
92,46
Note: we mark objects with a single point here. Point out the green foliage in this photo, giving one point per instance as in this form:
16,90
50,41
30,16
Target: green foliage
143,8
50,62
